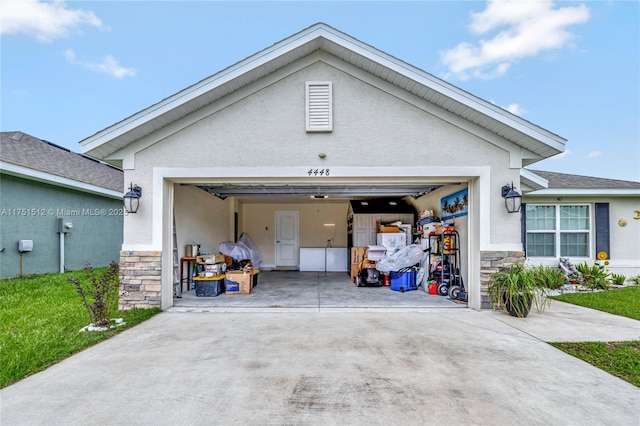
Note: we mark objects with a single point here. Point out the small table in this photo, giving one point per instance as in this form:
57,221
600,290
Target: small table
189,277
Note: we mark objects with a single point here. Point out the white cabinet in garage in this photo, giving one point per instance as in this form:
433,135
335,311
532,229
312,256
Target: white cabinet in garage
336,259
320,259
312,259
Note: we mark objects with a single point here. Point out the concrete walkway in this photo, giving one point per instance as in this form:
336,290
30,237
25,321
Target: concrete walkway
440,367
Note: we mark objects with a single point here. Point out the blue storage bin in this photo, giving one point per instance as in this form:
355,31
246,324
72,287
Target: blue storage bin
403,281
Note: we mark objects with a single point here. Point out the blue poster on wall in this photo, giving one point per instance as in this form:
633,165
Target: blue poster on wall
454,205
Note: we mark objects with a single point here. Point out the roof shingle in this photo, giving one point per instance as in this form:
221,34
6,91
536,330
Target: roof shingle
566,181
27,151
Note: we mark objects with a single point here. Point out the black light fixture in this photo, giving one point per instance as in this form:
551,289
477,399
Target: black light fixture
512,198
132,199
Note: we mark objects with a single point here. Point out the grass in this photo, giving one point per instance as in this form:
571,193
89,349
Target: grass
621,359
41,318
624,301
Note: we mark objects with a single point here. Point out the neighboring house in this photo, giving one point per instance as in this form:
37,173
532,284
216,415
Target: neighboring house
581,218
41,182
257,146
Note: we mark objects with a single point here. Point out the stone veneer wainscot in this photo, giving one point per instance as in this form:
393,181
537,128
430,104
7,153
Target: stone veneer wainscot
491,262
140,279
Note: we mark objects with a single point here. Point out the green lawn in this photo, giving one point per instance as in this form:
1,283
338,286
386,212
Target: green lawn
622,359
624,301
41,318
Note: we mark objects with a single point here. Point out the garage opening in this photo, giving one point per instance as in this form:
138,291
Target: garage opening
315,246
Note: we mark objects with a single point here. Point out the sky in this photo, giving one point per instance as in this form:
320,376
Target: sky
70,69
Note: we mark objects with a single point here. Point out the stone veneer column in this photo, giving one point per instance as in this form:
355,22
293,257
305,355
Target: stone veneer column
491,262
140,279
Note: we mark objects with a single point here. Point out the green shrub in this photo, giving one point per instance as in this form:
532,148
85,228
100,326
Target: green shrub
514,290
594,277
548,277
618,279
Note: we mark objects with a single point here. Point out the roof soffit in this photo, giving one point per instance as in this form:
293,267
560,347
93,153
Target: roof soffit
320,36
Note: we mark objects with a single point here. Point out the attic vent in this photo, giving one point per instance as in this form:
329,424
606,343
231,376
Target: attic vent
319,106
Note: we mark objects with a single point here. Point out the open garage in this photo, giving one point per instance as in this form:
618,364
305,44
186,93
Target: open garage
306,236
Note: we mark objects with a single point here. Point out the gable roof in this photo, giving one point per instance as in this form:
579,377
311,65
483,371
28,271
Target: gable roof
553,183
25,155
538,141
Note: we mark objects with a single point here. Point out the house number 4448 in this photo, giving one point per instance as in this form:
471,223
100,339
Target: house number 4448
318,172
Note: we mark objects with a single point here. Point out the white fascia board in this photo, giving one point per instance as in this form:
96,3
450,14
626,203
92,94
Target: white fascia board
533,180
39,176
554,192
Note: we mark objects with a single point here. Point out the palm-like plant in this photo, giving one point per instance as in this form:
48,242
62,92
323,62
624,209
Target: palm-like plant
513,289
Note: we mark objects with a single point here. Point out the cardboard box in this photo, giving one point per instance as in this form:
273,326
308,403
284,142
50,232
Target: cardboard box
355,269
392,241
357,254
238,282
386,228
207,258
389,229
376,253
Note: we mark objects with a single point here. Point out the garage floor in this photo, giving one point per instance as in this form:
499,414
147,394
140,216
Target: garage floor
316,291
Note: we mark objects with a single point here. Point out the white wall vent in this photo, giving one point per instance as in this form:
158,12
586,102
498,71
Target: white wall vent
319,106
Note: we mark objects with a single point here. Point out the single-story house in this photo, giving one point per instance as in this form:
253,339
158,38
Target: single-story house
582,218
277,145
67,205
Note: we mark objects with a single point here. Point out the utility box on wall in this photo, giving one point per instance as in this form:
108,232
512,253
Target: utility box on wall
25,245
64,225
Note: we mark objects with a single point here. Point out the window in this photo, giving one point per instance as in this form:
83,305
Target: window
319,97
558,230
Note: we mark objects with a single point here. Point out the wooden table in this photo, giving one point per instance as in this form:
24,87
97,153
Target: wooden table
189,277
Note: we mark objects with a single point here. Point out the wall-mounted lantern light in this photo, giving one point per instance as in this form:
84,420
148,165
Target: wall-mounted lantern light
132,199
512,198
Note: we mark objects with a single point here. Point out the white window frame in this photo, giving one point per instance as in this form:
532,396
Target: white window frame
558,231
319,106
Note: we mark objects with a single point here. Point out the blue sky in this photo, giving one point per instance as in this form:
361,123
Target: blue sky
70,69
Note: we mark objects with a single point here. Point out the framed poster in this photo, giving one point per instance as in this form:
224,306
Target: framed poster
455,205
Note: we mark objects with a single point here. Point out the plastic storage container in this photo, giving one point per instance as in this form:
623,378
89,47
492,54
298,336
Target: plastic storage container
403,281
209,287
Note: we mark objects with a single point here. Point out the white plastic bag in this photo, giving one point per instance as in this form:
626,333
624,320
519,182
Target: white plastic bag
401,258
256,257
238,251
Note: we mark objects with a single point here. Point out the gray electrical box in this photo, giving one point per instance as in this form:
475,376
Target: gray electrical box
64,225
25,245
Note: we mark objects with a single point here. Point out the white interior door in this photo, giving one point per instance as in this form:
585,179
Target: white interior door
287,239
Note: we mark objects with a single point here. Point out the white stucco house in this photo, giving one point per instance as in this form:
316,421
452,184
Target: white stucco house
321,113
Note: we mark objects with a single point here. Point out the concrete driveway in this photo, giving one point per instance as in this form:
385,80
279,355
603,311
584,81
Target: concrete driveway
436,367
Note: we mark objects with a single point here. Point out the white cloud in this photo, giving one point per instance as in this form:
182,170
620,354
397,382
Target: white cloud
566,153
515,109
594,154
45,21
109,65
515,30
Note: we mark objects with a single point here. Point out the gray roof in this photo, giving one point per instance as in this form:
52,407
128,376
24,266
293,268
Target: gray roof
566,181
27,151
